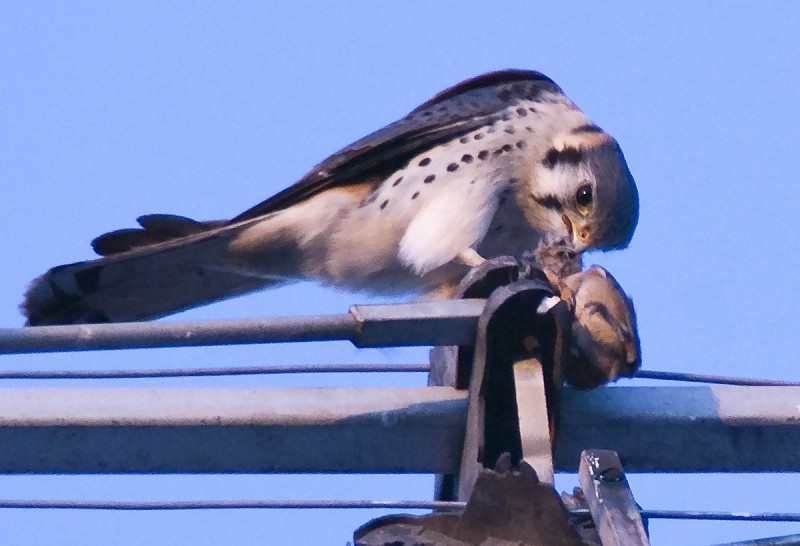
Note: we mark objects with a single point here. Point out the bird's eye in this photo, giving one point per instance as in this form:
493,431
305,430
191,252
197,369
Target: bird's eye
584,197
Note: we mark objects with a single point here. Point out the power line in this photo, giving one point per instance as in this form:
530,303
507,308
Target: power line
341,368
213,372
362,504
721,516
714,379
231,505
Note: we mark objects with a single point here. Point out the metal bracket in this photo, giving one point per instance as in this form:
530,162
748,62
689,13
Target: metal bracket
513,372
515,384
610,499
506,507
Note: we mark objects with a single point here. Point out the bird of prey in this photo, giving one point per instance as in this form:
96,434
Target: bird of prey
486,168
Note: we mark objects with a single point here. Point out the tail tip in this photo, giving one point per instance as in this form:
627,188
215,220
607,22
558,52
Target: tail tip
57,298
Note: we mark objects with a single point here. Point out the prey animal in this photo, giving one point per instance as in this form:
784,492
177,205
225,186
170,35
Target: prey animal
486,168
604,343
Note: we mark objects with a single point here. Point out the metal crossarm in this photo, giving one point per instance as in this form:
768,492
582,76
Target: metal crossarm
49,430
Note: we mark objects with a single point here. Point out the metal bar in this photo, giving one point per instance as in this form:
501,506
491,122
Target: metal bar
141,335
701,429
447,322
534,422
231,430
211,372
441,322
610,499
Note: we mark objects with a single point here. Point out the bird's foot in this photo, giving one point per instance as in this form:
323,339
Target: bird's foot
470,258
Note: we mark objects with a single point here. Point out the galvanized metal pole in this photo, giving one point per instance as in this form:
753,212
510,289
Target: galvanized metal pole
446,322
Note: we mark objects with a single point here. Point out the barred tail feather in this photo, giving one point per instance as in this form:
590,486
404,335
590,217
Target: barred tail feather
142,282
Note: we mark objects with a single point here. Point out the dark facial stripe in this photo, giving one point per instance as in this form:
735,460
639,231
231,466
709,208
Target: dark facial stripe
588,128
548,201
571,156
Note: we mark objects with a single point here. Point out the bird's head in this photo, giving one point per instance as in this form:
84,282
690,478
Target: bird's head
582,189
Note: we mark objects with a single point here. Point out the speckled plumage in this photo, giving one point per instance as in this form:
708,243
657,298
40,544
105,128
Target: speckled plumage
486,168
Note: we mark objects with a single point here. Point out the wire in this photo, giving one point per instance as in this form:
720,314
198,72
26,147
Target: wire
583,514
206,372
342,368
721,516
362,504
231,505
718,379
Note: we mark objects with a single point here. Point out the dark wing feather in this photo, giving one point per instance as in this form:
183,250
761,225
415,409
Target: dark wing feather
156,228
450,114
489,79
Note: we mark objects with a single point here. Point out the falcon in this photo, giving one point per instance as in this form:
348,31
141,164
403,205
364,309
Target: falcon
489,167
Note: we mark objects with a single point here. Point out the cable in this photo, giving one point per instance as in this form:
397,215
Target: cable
721,516
342,368
362,504
717,379
212,372
231,505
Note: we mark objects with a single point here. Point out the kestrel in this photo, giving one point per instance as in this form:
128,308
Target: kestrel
486,168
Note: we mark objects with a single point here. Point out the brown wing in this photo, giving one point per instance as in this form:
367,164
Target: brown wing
456,111
156,228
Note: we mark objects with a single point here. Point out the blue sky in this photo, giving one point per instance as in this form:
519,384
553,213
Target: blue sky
112,110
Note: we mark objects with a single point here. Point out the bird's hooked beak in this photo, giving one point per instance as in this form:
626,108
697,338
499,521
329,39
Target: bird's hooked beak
580,236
